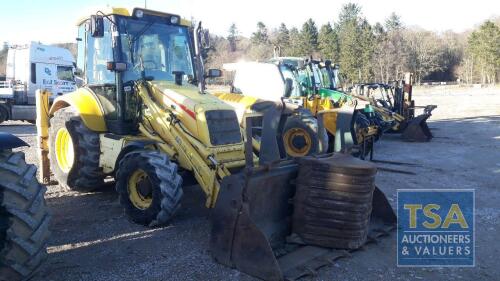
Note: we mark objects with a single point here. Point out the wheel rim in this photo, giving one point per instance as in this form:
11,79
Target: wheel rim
65,154
140,190
297,142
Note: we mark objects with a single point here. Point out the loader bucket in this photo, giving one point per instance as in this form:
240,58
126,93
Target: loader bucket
251,225
251,218
416,130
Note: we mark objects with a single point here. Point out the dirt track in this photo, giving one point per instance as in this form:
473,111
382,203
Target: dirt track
92,239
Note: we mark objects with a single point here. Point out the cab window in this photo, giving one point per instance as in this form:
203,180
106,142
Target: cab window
99,52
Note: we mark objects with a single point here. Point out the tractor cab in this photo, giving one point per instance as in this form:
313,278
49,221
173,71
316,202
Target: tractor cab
116,49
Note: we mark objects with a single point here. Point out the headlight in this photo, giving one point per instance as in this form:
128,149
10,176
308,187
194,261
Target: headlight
174,20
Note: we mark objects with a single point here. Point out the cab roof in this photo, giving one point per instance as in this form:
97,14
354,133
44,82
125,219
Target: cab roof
107,11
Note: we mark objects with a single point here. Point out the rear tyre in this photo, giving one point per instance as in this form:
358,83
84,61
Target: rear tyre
74,152
24,218
301,137
149,187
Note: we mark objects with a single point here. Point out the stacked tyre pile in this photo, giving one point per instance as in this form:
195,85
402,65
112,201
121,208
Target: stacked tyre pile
333,201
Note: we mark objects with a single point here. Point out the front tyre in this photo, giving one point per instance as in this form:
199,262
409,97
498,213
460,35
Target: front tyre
149,187
24,218
74,152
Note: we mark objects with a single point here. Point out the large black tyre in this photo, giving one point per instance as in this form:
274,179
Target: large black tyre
24,218
83,173
301,136
149,187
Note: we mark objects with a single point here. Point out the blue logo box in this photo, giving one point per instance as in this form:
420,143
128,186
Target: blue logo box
436,227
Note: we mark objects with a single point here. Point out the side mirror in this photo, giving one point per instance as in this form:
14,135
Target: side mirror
213,73
288,87
77,72
96,26
205,39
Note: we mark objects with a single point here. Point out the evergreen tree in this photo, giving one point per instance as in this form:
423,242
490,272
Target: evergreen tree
232,37
309,37
484,49
393,22
283,38
328,43
294,49
261,35
349,12
349,33
367,46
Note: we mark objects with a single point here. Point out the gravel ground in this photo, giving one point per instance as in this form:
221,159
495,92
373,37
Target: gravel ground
92,239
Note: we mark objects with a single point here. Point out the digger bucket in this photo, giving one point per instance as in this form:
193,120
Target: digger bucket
416,130
251,225
252,218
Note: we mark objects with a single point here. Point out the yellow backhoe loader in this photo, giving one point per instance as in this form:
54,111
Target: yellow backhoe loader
143,115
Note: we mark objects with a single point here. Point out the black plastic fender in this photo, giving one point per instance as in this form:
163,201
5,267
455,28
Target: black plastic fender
132,146
9,141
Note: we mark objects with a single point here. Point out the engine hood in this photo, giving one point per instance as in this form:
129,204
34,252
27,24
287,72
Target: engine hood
187,96
198,112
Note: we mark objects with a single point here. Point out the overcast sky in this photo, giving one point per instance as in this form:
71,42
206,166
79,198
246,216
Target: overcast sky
53,21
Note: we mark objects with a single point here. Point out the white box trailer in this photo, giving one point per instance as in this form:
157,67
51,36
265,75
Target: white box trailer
29,68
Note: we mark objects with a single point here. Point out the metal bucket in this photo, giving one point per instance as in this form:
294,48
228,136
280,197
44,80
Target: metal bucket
251,225
416,130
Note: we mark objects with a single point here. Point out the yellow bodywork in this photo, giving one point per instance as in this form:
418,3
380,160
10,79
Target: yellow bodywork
293,150
64,150
139,201
242,104
318,104
86,104
192,151
174,118
42,128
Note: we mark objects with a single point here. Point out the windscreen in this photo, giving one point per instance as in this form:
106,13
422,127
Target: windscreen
65,73
155,48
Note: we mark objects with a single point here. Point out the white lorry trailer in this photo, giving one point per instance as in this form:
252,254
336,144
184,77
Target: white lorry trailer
29,68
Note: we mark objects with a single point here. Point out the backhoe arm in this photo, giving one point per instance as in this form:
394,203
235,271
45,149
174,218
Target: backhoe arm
160,124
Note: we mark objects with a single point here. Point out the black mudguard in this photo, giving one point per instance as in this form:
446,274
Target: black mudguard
9,141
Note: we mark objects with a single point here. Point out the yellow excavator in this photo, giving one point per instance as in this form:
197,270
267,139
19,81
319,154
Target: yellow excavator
143,116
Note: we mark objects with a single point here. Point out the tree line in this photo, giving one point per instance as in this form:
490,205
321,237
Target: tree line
381,52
